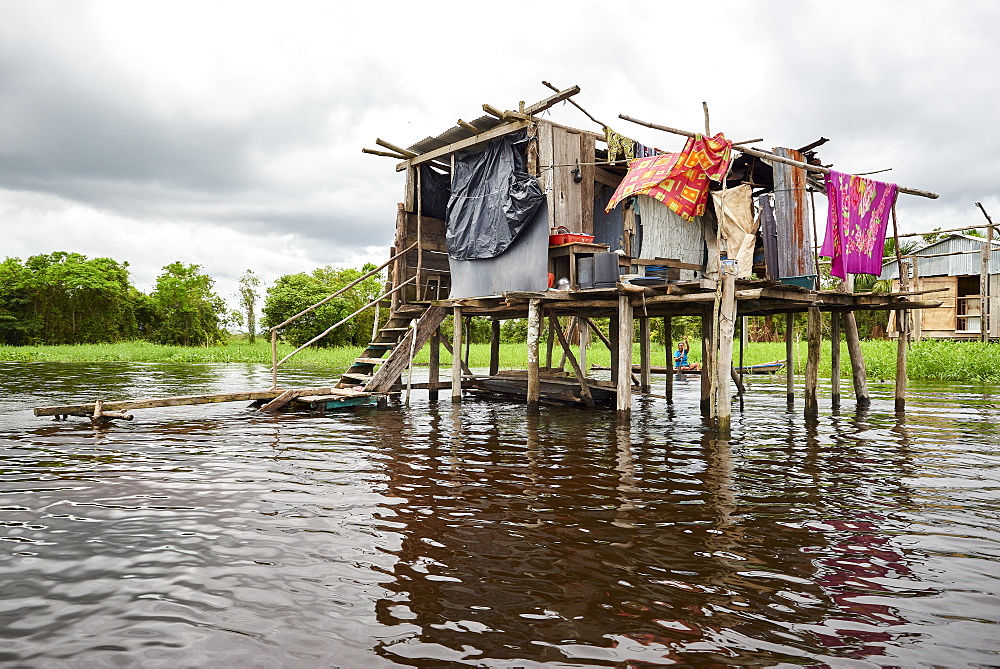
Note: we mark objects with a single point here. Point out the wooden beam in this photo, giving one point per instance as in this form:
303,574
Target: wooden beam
858,370
87,409
770,156
668,345
623,390
456,355
385,154
789,359
835,360
468,126
534,334
581,376
552,100
644,363
434,366
494,347
398,149
492,111
724,355
484,136
814,334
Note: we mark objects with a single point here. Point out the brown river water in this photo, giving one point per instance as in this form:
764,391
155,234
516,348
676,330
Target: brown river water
440,535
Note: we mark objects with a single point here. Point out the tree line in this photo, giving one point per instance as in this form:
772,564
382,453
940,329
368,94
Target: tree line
68,298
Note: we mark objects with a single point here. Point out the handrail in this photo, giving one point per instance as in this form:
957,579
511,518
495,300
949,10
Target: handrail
275,363
274,330
345,288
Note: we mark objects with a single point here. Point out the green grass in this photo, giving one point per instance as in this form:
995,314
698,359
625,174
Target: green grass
928,360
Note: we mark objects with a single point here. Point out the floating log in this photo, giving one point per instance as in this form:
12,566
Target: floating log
87,409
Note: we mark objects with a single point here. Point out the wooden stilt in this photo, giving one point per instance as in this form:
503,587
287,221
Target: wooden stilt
835,360
903,336
724,356
553,324
613,347
456,356
468,339
707,378
814,337
577,370
624,386
494,347
858,371
789,359
668,345
644,363
534,334
584,328
434,368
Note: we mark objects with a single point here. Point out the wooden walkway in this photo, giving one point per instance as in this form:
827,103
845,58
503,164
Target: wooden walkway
324,398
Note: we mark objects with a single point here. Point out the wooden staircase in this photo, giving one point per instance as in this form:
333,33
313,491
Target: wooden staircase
373,369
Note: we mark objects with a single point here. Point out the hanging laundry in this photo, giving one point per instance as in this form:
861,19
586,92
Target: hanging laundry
737,225
619,144
679,180
856,221
643,151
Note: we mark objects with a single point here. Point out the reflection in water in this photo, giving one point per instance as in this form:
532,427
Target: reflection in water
479,534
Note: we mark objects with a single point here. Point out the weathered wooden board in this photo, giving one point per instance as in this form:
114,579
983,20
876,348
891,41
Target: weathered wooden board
87,409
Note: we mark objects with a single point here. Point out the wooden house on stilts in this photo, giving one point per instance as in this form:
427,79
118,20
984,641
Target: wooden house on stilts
511,215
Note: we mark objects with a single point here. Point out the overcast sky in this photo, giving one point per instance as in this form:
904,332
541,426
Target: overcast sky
229,134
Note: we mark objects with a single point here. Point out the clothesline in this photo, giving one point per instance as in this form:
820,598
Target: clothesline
770,156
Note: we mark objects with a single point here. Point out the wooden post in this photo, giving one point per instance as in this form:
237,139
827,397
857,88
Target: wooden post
624,354
494,347
916,317
644,363
613,348
814,335
434,368
420,239
534,334
835,359
724,357
668,345
584,342
468,339
581,378
553,324
456,356
858,371
902,337
984,285
789,359
706,360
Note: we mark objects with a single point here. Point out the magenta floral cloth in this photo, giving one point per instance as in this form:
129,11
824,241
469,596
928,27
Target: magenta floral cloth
855,225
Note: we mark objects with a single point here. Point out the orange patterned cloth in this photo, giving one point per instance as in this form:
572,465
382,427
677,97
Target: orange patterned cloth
678,180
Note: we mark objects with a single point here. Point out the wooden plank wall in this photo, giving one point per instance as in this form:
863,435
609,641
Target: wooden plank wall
559,151
792,219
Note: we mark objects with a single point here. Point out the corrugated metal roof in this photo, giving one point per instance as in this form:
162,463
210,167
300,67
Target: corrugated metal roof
454,134
958,265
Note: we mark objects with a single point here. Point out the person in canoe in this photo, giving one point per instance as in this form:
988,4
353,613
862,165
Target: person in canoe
681,363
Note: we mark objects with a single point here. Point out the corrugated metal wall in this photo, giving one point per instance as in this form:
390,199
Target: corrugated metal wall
958,265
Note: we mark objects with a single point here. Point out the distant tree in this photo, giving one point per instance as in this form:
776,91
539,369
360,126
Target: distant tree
184,310
248,294
293,293
66,298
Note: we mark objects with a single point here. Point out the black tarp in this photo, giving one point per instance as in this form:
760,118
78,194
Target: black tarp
493,197
435,189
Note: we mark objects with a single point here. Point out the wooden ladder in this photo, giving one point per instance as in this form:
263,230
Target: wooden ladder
393,338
